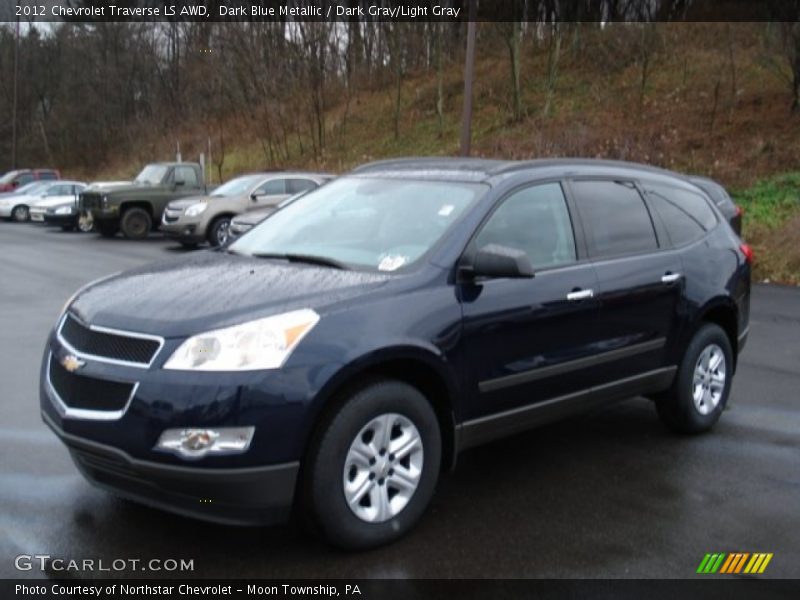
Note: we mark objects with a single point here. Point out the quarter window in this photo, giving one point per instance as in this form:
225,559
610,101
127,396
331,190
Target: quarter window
536,221
686,215
295,186
615,218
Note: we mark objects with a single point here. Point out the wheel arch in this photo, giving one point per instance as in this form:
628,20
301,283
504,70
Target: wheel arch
418,367
143,204
722,312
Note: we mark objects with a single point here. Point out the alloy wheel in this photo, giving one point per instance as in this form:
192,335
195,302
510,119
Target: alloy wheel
383,468
221,232
708,382
20,214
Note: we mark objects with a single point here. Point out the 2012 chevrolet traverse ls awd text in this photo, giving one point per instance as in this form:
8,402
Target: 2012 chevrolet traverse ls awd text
337,357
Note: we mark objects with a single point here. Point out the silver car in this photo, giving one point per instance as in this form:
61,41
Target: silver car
194,220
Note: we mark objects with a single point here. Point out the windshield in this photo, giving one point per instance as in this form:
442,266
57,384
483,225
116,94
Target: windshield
32,187
238,186
151,174
382,224
9,177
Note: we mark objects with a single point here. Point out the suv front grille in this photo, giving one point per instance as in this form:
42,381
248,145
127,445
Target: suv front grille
109,346
88,201
88,393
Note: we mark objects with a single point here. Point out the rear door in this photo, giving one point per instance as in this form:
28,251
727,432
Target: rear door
639,276
526,340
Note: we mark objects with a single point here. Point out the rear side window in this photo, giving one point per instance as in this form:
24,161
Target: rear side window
187,175
24,178
686,215
615,218
47,175
295,186
536,221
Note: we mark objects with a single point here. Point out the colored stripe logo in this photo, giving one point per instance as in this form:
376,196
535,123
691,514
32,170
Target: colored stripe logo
734,562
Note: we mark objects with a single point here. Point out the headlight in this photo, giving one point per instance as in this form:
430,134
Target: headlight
196,209
260,344
64,210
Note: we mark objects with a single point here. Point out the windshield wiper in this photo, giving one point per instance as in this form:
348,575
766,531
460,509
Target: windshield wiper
305,258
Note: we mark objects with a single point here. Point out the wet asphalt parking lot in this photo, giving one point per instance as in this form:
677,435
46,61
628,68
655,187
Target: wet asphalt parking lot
607,494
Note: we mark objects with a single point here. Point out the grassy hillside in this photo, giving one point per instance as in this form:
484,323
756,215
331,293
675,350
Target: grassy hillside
712,101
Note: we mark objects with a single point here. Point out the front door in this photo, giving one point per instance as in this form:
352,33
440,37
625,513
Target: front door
527,340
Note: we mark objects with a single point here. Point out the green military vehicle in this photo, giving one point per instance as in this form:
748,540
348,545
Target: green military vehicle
136,207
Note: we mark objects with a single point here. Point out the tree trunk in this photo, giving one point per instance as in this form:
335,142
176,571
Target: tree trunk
513,50
439,80
552,67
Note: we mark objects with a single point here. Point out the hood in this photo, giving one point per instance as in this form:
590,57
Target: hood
185,203
106,185
211,289
254,217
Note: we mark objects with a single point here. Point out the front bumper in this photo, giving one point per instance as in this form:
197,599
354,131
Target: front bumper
247,496
237,229
116,448
37,214
184,229
61,220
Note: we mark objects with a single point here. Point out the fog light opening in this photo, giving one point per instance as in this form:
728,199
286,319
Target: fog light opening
194,443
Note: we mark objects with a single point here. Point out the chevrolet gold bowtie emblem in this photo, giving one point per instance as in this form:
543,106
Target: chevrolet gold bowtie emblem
72,363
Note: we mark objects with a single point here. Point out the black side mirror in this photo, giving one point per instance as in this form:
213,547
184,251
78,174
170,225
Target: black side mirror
179,182
497,261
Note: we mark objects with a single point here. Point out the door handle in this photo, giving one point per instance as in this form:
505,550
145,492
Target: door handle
580,295
670,277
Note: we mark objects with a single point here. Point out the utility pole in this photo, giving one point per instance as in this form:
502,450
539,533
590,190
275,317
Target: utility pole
469,75
14,105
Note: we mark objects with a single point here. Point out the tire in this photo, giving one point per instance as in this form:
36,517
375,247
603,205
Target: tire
136,223
85,224
698,395
20,214
107,229
218,231
335,471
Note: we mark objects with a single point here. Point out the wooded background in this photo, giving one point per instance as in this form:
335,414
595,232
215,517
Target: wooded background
103,98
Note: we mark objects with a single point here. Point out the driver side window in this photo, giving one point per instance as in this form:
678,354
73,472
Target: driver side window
536,221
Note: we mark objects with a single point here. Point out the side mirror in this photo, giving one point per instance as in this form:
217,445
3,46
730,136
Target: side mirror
255,196
497,261
179,182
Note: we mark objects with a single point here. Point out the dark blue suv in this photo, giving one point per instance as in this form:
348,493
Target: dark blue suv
337,357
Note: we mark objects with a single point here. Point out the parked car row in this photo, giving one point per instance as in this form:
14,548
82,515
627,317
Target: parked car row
173,198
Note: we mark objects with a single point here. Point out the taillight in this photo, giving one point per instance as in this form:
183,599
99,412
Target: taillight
748,253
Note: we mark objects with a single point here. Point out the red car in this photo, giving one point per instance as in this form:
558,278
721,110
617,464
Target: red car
13,179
